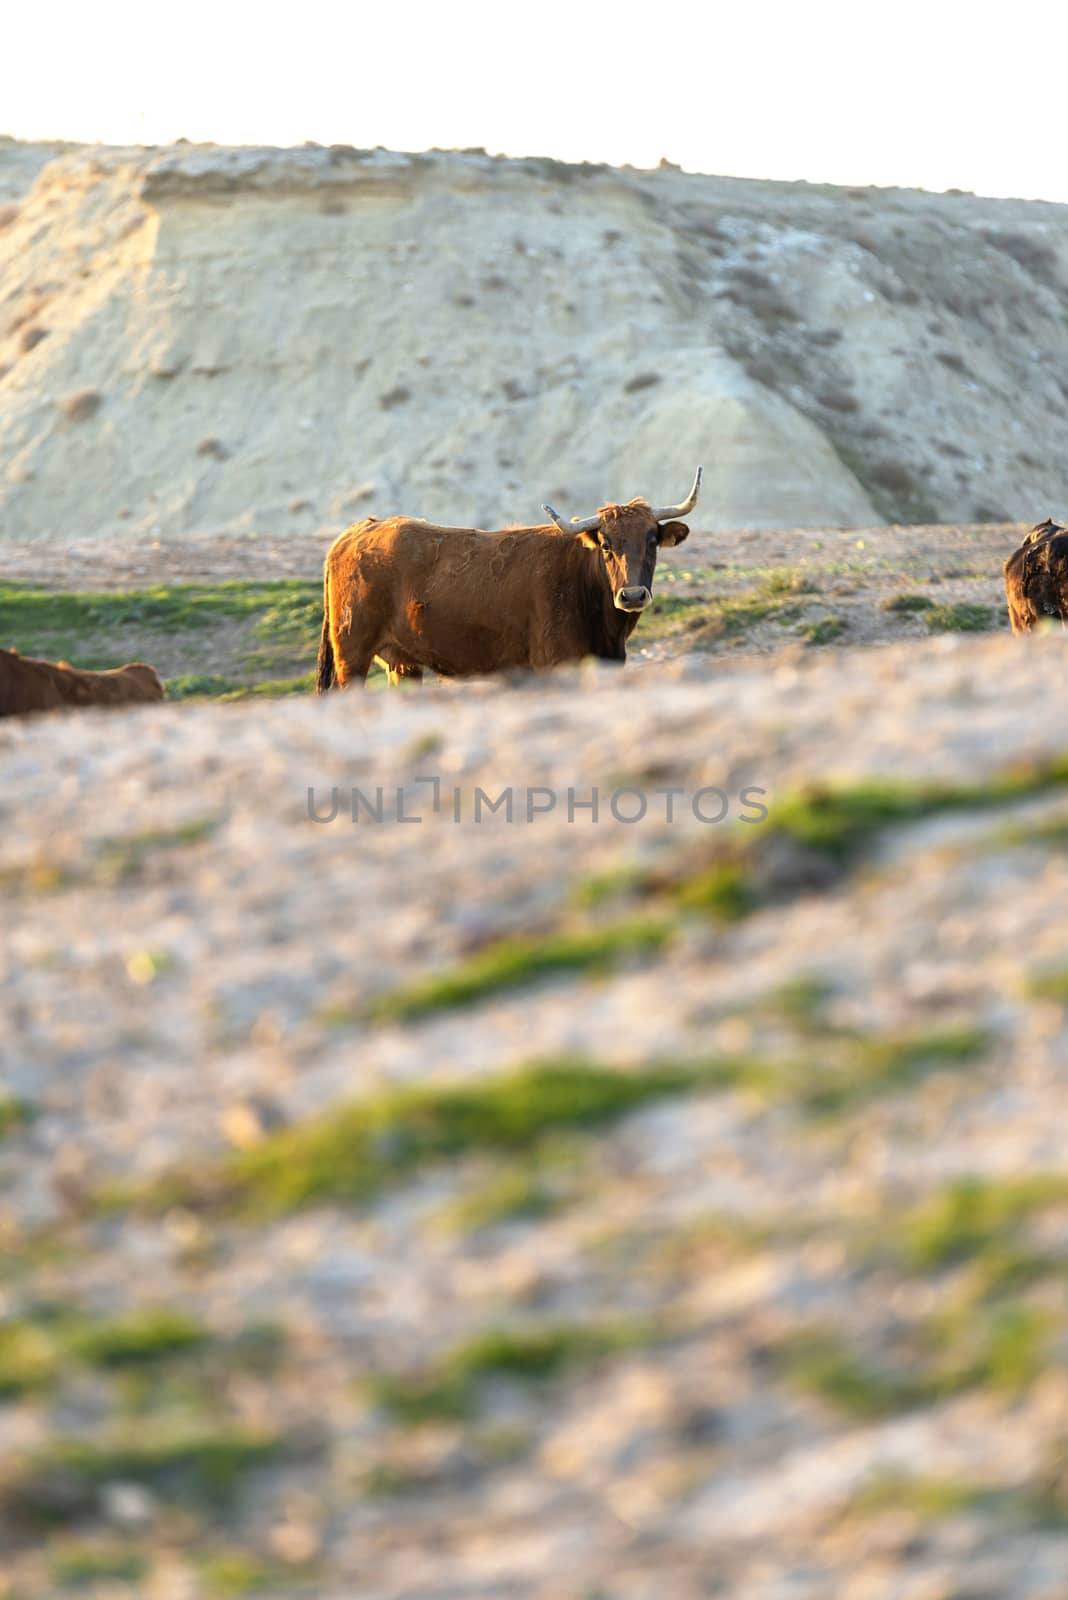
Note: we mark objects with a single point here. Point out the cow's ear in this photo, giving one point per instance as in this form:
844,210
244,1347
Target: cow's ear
670,533
592,541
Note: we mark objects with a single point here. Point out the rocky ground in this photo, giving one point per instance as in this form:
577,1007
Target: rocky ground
549,1207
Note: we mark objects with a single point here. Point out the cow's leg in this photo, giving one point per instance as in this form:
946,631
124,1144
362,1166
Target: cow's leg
355,646
354,651
353,669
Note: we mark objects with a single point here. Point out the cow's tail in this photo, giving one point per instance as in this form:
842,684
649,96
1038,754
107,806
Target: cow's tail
327,678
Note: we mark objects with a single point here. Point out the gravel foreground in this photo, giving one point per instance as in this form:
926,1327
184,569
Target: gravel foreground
755,1339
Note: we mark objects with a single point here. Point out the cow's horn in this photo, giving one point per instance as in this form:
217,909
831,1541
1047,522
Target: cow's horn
576,525
666,513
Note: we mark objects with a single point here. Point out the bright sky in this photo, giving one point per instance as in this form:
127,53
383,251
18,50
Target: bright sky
938,94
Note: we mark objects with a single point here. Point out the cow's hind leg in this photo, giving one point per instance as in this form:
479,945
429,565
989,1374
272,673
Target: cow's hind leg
353,655
355,646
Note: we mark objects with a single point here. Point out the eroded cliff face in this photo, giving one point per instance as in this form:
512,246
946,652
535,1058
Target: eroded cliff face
204,339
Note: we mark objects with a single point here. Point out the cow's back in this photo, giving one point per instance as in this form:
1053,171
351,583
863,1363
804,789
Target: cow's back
464,570
29,684
24,687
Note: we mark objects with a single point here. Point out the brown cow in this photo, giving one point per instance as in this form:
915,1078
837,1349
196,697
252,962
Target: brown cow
1036,578
27,684
462,602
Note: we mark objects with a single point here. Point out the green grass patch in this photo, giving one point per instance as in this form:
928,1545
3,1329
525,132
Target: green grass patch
706,618
965,616
800,1001
263,629
200,686
39,1349
1040,1504
83,1566
62,1481
735,614
512,963
205,686
354,1151
779,581
1050,833
817,1361
602,886
826,631
14,1114
527,1190
907,604
723,891
840,821
271,688
835,825
117,860
31,1358
1003,1351
231,1574
930,1499
535,1353
972,1216
859,1068
142,1337
283,606
667,610
1050,985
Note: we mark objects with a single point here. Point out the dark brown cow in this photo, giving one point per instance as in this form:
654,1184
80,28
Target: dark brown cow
462,602
27,684
1036,578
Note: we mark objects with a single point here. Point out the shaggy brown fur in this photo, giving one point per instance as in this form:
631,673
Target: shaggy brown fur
27,684
463,602
1036,578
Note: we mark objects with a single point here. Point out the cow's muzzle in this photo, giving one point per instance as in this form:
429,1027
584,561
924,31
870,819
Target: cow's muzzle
635,599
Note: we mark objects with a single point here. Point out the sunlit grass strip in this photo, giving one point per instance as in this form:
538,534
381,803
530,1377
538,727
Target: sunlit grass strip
285,603
512,963
1052,985
972,1216
13,1114
36,1351
1040,1503
355,1150
929,1498
1004,1352
83,1566
534,1353
63,1479
836,824
842,820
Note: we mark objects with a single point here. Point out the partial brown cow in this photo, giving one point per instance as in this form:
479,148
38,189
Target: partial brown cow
462,602
27,684
1036,578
